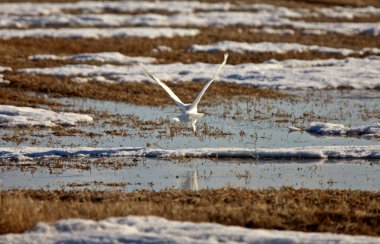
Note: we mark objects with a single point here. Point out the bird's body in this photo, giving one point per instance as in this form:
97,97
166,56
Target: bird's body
189,112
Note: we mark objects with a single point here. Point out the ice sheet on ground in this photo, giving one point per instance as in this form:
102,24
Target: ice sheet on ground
261,47
150,229
320,128
26,116
358,73
97,32
311,152
104,57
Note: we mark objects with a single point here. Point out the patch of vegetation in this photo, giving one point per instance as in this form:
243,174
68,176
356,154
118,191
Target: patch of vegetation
337,211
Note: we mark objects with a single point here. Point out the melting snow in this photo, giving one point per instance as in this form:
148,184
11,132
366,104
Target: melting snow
261,47
97,32
3,69
339,129
162,48
268,30
358,73
25,116
112,57
53,14
150,229
349,13
311,152
340,28
97,7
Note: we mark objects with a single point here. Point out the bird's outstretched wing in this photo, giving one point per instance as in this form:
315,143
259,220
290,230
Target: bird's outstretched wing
196,101
176,99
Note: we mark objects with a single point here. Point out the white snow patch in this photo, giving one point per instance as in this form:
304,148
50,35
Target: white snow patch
22,15
26,116
321,128
3,69
343,28
36,9
261,47
104,57
311,152
202,19
358,73
268,30
2,80
150,229
98,32
162,48
348,12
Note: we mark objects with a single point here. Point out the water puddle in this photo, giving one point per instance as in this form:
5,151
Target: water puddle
246,122
130,174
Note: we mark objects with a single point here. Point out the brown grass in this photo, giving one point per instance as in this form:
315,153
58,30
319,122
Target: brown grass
337,211
136,93
14,52
13,96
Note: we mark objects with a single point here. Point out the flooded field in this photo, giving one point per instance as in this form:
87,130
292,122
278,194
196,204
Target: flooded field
242,123
245,122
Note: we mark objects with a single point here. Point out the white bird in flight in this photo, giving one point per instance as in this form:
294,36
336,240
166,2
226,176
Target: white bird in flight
189,112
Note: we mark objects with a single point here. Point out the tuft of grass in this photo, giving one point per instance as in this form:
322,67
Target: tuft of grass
16,97
337,211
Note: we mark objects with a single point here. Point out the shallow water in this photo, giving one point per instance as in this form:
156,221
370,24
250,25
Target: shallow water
249,122
246,122
156,174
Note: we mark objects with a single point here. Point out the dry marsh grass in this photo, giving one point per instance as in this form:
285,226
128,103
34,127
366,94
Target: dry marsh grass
136,93
15,52
337,211
12,96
